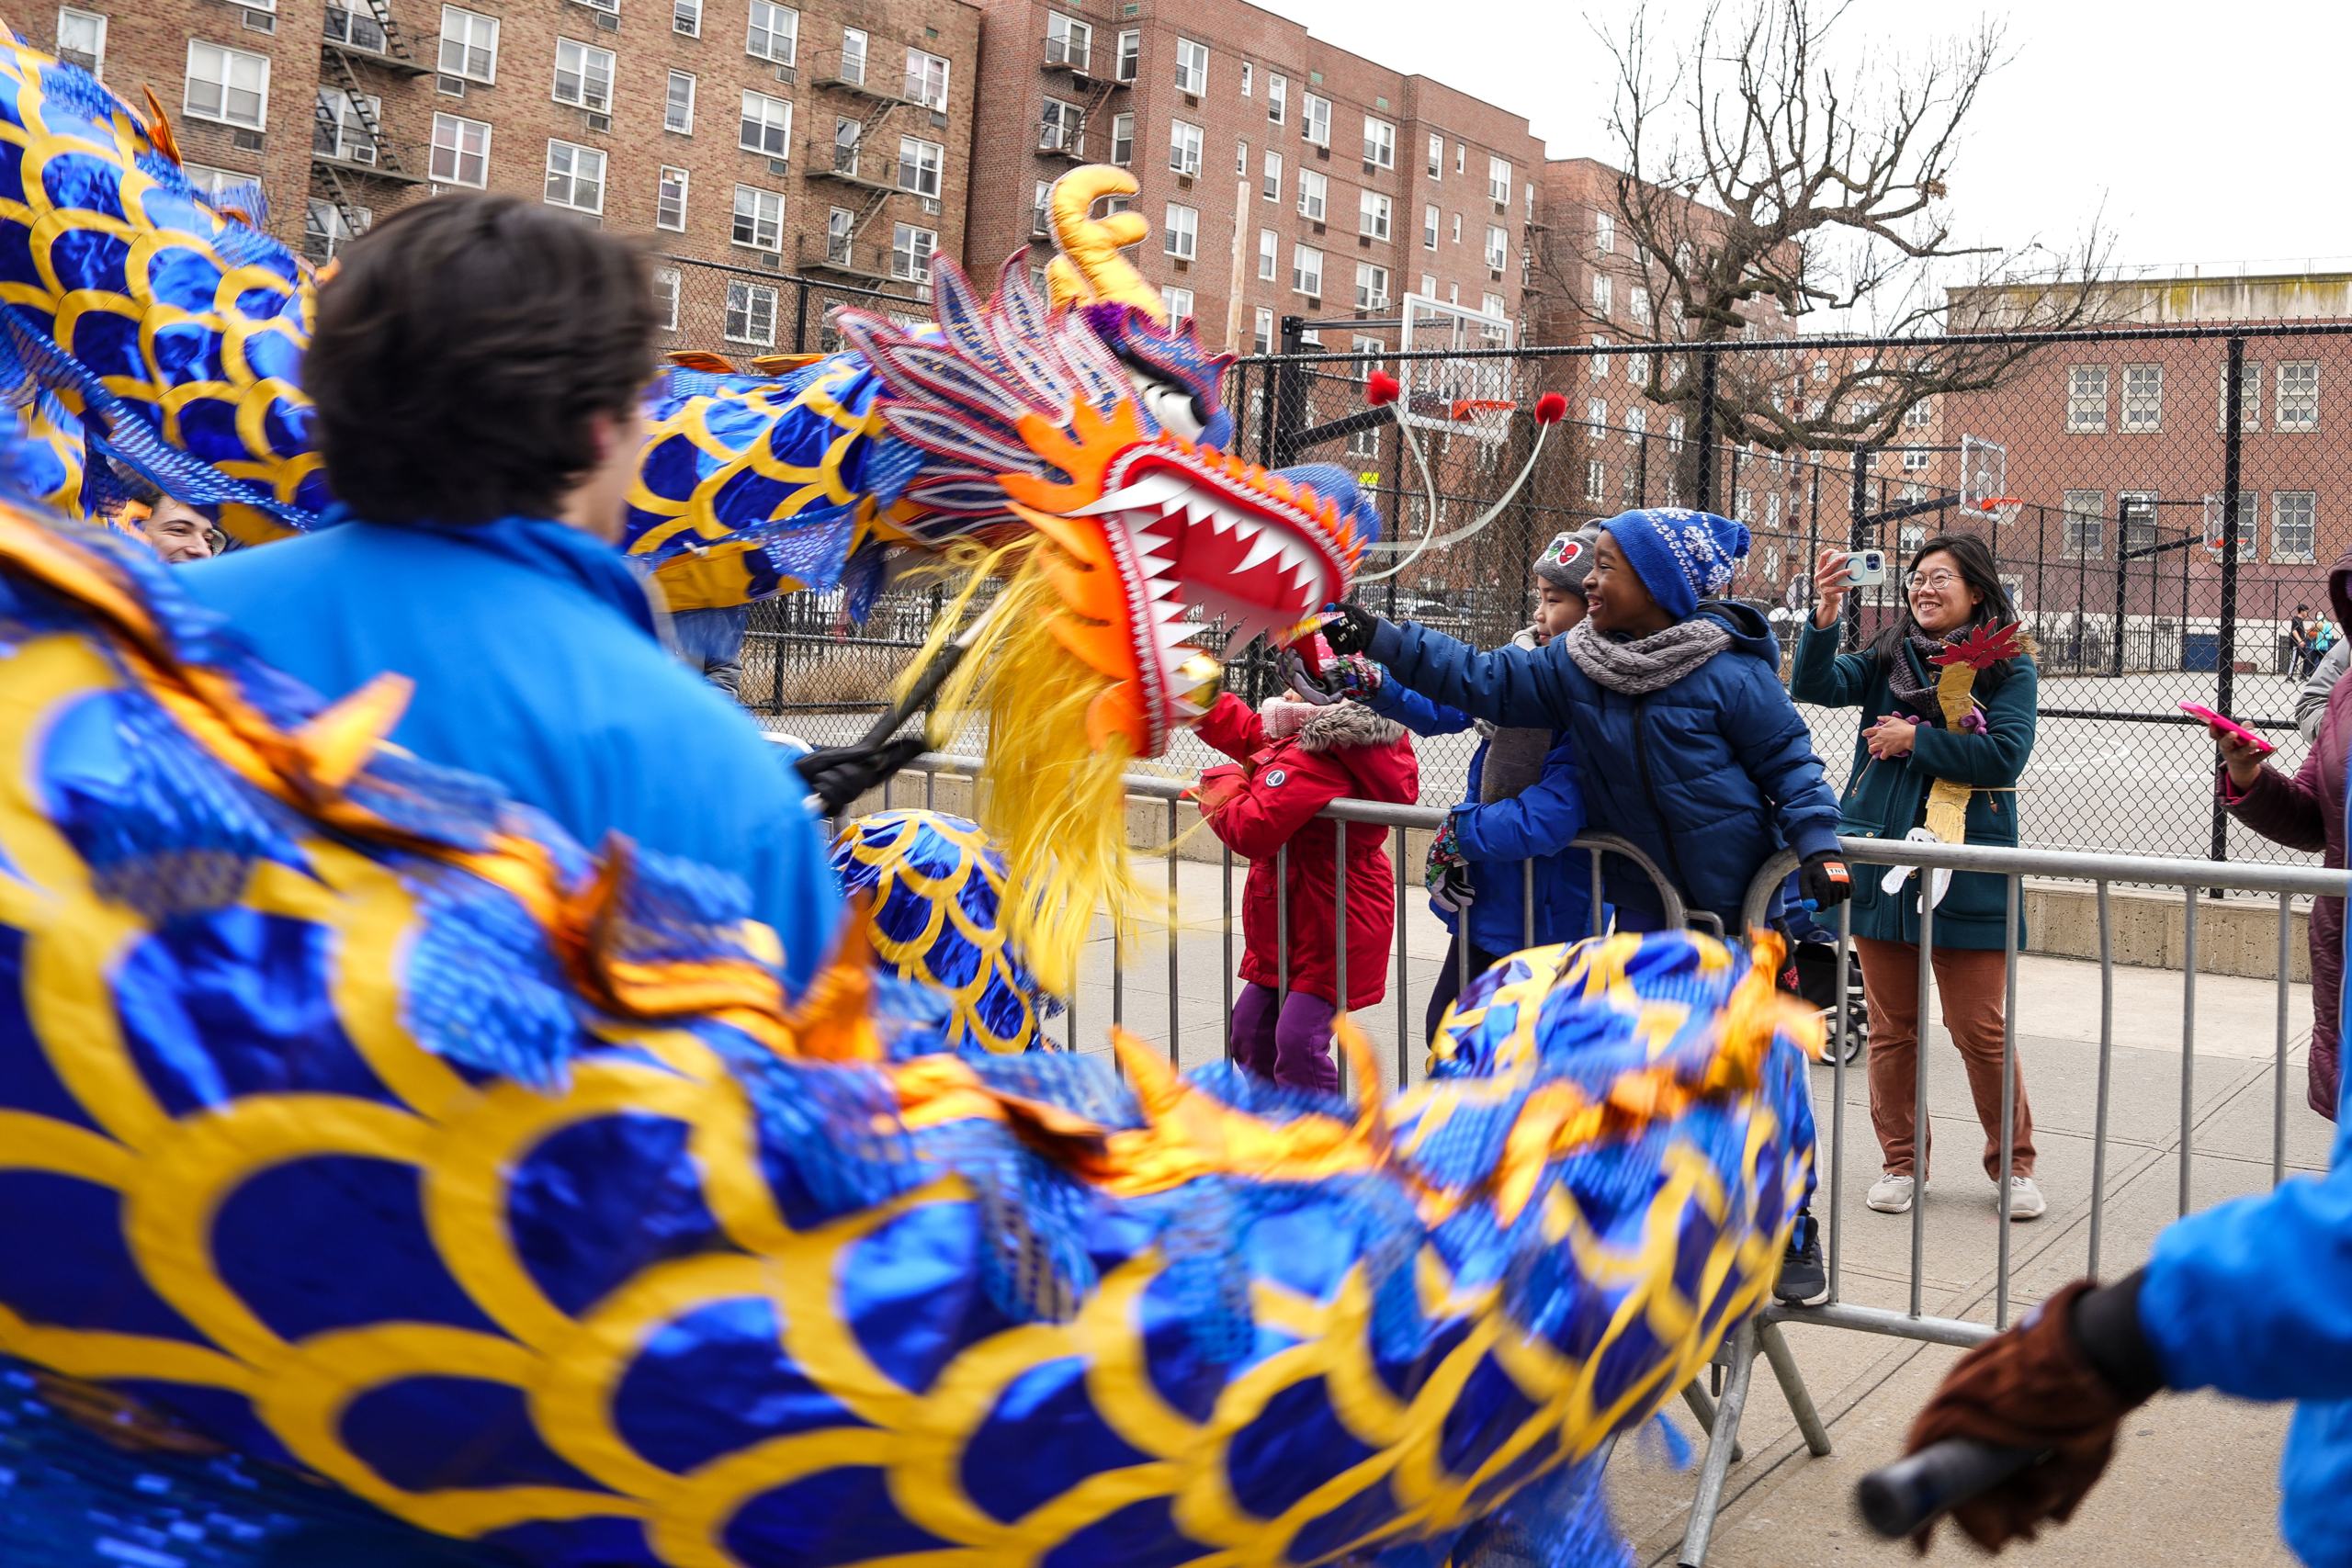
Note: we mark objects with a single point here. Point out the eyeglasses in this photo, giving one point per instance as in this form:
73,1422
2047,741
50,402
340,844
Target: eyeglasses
1938,580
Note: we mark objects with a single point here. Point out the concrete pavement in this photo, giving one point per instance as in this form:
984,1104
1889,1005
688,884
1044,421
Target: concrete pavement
2195,1476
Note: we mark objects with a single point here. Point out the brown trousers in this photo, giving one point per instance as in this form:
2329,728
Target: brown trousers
1971,981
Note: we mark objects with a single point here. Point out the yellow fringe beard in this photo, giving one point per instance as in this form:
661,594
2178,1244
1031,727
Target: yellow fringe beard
1052,802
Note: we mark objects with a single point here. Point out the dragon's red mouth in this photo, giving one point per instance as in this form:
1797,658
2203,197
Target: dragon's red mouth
1201,537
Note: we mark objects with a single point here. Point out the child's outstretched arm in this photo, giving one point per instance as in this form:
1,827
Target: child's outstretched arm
1511,685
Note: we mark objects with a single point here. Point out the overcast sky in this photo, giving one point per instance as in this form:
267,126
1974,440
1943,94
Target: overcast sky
2207,135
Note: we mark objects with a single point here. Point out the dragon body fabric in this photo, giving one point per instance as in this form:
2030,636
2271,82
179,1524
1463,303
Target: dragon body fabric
353,1121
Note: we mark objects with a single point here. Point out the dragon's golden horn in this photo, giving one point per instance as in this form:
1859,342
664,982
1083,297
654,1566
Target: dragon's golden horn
1090,269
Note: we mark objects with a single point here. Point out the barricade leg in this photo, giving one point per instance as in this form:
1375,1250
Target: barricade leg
1721,1437
1784,1367
1703,1408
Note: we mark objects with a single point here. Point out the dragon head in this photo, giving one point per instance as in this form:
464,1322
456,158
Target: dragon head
1094,422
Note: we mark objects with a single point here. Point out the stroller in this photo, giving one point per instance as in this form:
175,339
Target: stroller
1810,971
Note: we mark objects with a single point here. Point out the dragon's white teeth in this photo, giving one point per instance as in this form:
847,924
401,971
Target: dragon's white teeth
1152,490
1264,546
1151,565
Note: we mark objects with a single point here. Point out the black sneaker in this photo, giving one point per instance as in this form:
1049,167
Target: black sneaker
1803,1278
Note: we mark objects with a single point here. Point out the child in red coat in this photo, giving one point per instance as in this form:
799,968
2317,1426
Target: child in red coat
1296,758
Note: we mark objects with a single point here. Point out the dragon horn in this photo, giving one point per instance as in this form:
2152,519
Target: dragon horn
1090,269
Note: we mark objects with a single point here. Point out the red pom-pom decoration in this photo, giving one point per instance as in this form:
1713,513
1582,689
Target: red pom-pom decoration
1551,409
1382,389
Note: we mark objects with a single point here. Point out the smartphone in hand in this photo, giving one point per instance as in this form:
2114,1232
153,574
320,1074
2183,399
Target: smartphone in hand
2227,726
1866,569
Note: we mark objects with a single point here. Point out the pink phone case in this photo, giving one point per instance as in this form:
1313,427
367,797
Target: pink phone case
2198,710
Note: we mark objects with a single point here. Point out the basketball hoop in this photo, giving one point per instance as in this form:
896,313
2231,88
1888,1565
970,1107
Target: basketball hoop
1984,480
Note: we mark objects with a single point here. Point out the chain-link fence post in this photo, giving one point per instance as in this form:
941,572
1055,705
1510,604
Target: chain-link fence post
1289,401
2232,439
1705,488
1857,508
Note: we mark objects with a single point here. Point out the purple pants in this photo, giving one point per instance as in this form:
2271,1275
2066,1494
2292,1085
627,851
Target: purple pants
1287,1041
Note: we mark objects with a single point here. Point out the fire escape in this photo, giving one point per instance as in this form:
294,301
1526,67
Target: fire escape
1074,58
850,162
356,40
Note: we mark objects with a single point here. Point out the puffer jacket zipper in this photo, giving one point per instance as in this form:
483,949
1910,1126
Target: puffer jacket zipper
1649,791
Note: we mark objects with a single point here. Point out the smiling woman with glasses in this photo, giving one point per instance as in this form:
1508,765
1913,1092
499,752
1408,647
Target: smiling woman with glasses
1906,747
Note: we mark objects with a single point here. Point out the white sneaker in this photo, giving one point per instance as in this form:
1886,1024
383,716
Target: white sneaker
2026,1202
1891,1194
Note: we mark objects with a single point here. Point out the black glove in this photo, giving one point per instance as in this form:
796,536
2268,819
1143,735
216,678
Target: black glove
1823,882
839,775
1351,632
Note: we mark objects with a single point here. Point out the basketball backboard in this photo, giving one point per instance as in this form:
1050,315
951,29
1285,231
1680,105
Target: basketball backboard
1985,480
1472,396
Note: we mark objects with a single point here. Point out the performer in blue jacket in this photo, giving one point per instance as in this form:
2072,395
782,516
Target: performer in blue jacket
1688,743
477,366
2251,1298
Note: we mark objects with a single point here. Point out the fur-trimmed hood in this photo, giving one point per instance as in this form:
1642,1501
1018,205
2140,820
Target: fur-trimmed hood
1347,724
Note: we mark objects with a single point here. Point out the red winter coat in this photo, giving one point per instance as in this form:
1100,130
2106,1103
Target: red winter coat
1271,800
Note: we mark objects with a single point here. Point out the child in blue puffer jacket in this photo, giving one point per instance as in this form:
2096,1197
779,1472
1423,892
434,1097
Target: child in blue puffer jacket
1524,803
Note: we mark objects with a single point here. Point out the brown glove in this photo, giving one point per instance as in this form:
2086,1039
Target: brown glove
2032,1387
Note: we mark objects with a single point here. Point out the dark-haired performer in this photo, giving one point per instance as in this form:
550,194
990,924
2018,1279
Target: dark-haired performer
477,366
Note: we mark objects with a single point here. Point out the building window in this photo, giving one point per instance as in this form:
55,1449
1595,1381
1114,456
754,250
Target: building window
325,230
1604,234
1041,218
1057,131
910,253
583,75
678,109
339,128
919,165
1184,147
575,178
1595,414
1915,458
1123,138
2086,401
1637,370
1429,228
1637,303
1921,412
1499,179
2084,523
840,225
1130,56
1261,339
1241,159
1182,238
468,44
1247,75
2144,397
758,219
1178,302
2296,404
2249,398
362,31
460,150
1595,479
1379,143
82,38
1372,214
227,84
926,80
1492,306
1311,189
1600,294
1269,253
1371,287
1274,176
1315,123
2294,524
1437,157
766,126
750,314
685,17
1068,42
1498,247
774,33
1192,66
1277,96
665,296
1457,227
1599,362
1637,424
670,200
1307,271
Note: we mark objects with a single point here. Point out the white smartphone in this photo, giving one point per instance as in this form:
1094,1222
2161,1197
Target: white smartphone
1865,568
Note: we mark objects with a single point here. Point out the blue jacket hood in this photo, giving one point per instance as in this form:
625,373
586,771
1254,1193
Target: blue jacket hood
1751,633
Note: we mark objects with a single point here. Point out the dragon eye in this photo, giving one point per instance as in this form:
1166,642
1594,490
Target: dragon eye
1177,412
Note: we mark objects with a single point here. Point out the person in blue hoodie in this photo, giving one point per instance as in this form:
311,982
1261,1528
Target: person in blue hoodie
1688,743
1524,801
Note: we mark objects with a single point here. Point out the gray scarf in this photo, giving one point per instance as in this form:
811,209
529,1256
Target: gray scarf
1656,661
1514,757
1900,684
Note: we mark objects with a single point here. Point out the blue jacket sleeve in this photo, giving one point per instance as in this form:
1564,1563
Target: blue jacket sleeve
1416,712
1540,820
1512,685
1826,678
1775,749
2253,1297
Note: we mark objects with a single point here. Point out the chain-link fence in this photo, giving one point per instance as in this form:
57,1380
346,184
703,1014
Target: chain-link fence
2101,471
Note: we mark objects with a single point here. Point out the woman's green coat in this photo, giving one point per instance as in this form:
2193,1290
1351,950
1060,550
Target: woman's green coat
1887,799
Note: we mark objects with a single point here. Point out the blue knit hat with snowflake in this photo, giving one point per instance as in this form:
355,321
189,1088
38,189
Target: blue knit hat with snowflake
1681,556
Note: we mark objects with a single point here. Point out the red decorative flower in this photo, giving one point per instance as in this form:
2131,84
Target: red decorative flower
1382,389
1551,409
1983,648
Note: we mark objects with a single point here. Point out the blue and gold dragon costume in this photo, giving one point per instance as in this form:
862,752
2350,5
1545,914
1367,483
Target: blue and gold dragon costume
357,1127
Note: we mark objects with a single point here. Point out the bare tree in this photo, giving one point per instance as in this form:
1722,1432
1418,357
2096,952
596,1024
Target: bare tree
1759,183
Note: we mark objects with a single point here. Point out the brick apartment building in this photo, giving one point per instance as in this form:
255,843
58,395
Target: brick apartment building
1282,175
830,138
